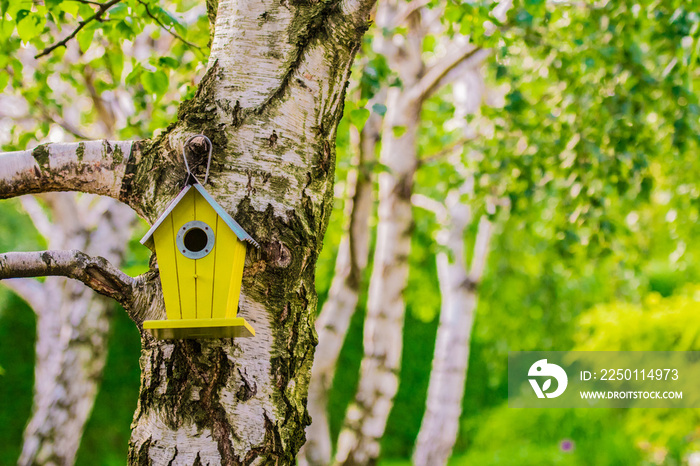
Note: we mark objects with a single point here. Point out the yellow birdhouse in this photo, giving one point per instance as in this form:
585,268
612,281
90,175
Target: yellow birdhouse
201,251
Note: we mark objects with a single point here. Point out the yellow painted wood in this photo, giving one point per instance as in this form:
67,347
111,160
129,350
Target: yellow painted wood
204,267
201,296
164,240
199,328
225,252
183,213
236,278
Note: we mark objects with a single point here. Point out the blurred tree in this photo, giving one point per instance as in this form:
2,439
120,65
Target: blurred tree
270,101
459,290
365,421
72,323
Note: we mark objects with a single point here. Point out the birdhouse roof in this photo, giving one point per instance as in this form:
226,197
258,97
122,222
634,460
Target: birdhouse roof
233,225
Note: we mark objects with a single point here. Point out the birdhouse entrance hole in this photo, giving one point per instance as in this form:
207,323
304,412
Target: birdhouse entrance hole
195,239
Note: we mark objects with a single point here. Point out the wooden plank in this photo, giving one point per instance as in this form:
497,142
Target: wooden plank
199,328
236,278
164,240
204,267
225,255
183,213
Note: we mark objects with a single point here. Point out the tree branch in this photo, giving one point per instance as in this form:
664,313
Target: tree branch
357,10
96,167
36,213
172,33
431,205
481,249
96,272
103,7
431,80
29,290
445,151
405,11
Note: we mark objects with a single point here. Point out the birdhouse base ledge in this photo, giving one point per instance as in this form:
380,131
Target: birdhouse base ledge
184,329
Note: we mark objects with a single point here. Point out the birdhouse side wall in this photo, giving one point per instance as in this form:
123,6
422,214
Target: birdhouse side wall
234,289
164,241
228,254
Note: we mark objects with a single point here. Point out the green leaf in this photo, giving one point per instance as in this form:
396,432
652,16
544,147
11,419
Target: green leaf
169,20
398,131
168,62
358,117
29,25
85,37
119,11
155,82
379,109
125,31
53,4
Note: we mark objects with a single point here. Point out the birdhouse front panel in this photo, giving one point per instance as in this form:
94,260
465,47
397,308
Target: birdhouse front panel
201,261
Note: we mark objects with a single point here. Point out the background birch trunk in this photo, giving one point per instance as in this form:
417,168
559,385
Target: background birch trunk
72,323
365,420
338,309
459,287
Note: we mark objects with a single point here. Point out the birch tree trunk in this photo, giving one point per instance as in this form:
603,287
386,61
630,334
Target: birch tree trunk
365,420
72,324
270,102
459,287
334,320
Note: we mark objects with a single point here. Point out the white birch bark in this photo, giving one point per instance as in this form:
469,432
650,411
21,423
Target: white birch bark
338,309
365,420
459,287
72,324
270,102
96,167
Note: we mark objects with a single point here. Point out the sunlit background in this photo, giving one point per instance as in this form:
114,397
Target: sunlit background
579,131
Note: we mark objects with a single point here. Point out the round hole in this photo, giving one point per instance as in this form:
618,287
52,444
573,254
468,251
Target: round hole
195,240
